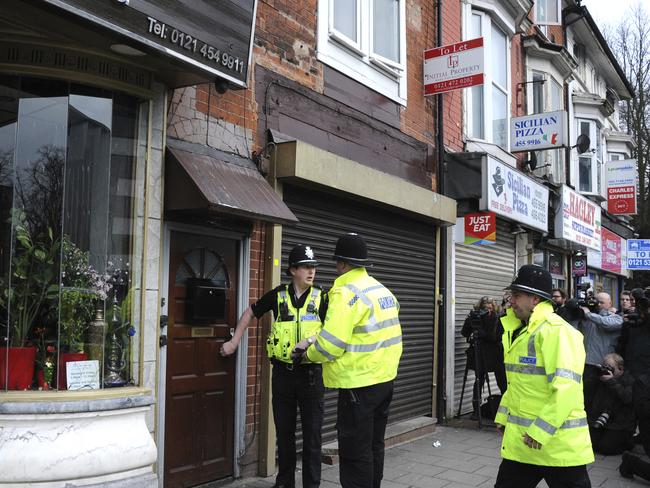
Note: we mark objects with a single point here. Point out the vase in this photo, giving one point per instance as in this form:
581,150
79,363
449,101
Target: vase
95,337
16,367
64,359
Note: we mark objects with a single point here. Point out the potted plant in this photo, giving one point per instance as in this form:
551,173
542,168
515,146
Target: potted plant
33,282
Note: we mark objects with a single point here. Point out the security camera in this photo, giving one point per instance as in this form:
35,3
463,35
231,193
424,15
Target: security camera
221,86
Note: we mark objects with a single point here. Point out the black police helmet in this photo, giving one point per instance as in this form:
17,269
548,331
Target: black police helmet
351,249
533,279
300,255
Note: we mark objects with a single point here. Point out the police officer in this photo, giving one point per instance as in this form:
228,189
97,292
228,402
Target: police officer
360,348
541,415
298,310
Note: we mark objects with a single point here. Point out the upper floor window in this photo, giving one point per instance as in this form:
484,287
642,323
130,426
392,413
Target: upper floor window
366,40
488,105
589,162
547,12
548,97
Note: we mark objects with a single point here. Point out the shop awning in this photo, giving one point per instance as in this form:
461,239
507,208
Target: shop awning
227,184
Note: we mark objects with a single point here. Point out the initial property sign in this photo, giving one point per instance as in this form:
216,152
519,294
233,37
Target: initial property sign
453,67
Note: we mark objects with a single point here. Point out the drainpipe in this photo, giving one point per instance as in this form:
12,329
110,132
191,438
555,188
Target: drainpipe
442,237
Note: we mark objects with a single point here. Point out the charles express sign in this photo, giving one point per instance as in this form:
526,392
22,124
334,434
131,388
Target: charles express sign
538,131
213,37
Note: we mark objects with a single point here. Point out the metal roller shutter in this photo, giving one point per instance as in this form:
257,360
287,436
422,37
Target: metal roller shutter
480,271
402,251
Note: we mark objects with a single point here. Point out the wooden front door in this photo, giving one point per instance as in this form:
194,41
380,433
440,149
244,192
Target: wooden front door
199,409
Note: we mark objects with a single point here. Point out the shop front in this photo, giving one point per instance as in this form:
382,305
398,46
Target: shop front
511,206
607,269
83,98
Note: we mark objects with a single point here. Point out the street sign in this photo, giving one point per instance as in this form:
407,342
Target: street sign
453,67
638,254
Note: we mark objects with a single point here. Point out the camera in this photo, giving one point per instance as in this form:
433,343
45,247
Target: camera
476,319
603,369
586,298
601,421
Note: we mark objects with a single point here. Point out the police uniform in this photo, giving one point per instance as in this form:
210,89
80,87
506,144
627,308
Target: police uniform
360,348
295,386
544,361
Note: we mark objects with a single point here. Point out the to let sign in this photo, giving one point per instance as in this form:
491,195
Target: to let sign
539,131
638,254
620,178
578,220
454,66
480,228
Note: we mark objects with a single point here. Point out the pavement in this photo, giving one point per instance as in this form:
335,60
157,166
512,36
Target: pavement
454,457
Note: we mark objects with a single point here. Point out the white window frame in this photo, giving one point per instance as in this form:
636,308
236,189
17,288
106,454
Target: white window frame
487,19
558,13
356,58
593,154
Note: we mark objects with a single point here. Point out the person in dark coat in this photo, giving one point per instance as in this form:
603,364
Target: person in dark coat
611,414
483,330
631,464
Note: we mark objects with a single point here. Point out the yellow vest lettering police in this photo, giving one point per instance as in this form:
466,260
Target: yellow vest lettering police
293,325
361,341
544,399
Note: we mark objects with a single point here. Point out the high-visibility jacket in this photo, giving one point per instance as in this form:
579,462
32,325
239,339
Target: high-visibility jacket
361,341
544,399
293,325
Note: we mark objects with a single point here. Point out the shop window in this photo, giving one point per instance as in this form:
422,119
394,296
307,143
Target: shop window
366,40
553,262
72,210
589,163
488,104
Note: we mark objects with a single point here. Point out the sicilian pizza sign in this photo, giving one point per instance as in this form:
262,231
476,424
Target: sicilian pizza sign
453,67
578,220
511,194
538,131
620,178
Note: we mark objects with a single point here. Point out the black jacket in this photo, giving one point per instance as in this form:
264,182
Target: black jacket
634,346
615,397
642,396
489,342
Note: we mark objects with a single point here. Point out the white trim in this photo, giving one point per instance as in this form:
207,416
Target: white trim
558,14
356,59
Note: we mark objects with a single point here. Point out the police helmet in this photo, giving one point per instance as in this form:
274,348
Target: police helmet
300,255
533,279
351,249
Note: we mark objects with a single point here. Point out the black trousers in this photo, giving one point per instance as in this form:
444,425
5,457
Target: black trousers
644,433
520,475
590,382
609,442
361,424
293,388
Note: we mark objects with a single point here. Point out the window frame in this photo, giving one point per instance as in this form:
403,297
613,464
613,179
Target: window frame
558,12
488,20
594,154
357,59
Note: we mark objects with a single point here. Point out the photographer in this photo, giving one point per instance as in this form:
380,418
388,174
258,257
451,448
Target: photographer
611,415
601,329
483,331
634,342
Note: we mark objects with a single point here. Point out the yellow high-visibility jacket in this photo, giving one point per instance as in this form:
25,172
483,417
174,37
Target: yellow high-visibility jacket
293,325
361,341
544,399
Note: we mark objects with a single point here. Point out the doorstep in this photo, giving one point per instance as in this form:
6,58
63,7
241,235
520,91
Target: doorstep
396,434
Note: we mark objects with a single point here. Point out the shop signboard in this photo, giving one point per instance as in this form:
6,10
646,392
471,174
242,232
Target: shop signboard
511,194
620,178
215,37
579,266
638,254
453,67
480,228
611,256
578,220
538,131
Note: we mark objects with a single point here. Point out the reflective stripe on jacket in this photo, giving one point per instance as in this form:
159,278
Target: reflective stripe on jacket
544,399
293,325
361,340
